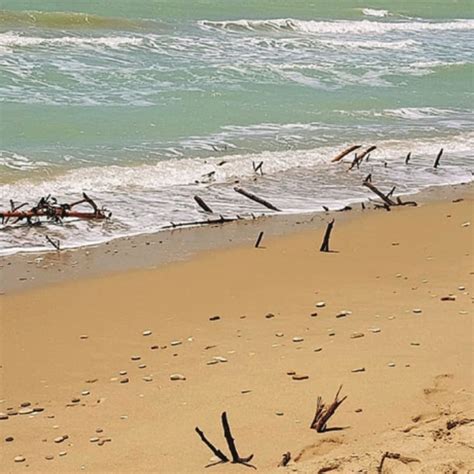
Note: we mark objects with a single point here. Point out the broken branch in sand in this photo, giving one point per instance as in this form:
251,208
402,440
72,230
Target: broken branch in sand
327,235
236,459
436,163
386,197
345,153
202,204
397,456
285,459
259,240
56,244
49,208
255,198
323,413
258,168
220,220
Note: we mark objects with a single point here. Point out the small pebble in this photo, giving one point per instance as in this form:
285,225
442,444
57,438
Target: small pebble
175,343
9,439
317,349
135,357
320,304
123,372
142,366
279,413
177,377
25,404
356,335
358,410
75,400
300,377
331,333
62,453
461,288
358,369
60,439
269,315
83,336
214,318
19,459
279,334
3,416
85,392
375,330
94,439
343,314
212,362
148,379
49,457
220,359
466,224
153,348
25,411
391,364
313,315
448,298
414,343
297,339
125,380
417,311
147,333
291,372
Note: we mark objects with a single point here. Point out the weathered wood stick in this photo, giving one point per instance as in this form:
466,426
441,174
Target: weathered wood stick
436,163
327,235
202,204
236,459
345,153
220,220
285,459
58,213
258,168
255,198
56,245
407,159
379,193
366,152
215,450
259,240
323,414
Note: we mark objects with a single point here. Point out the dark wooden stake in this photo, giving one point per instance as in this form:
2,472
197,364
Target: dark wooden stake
258,168
56,244
259,240
285,459
327,235
255,198
215,450
202,204
345,153
323,413
407,159
436,163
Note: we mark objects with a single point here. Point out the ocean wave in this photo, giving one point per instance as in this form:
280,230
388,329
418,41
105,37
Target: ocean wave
15,40
69,20
337,26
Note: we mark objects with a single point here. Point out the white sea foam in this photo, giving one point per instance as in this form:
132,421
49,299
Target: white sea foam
373,12
339,26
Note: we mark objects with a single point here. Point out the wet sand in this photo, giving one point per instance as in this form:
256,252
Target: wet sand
387,314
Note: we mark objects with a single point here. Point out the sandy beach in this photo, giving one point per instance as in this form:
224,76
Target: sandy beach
112,371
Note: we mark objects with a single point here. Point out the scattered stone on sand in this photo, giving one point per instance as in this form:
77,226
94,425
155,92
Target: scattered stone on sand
375,330
358,410
466,224
448,298
125,380
461,288
25,411
214,318
175,377
135,357
356,335
94,439
49,457
60,439
391,364
300,377
343,314
99,430
417,310
25,404
279,334
62,453
92,380
414,343
331,332
38,409
147,378
85,393
358,369
245,391
75,400
317,349
147,333
123,372
313,315
279,413
220,359
83,336
463,312
142,366
175,343
269,315
291,372
297,339
9,439
3,416
153,348
212,362
19,459
320,304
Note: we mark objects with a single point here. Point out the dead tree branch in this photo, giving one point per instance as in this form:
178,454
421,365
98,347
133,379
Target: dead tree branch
436,163
327,235
397,456
345,153
56,244
202,204
255,198
359,158
258,168
323,413
220,220
259,240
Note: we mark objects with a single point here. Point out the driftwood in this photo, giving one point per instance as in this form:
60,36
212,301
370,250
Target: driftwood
259,240
407,159
49,208
202,204
436,163
255,198
56,244
397,456
327,235
220,220
386,198
345,153
257,168
236,459
323,413
285,459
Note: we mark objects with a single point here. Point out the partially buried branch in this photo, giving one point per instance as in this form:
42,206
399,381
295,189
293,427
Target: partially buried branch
256,198
327,235
323,413
202,204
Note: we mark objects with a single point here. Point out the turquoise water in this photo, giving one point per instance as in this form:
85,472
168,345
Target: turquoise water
135,102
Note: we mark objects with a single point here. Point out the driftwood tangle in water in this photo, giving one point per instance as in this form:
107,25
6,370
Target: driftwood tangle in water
386,198
256,198
325,244
345,153
48,208
236,459
324,413
359,158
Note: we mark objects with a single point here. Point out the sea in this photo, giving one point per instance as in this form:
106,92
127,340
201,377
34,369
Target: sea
144,104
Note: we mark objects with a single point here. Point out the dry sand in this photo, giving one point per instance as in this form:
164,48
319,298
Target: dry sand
418,372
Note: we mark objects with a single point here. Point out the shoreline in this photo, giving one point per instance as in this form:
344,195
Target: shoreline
26,270
112,372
